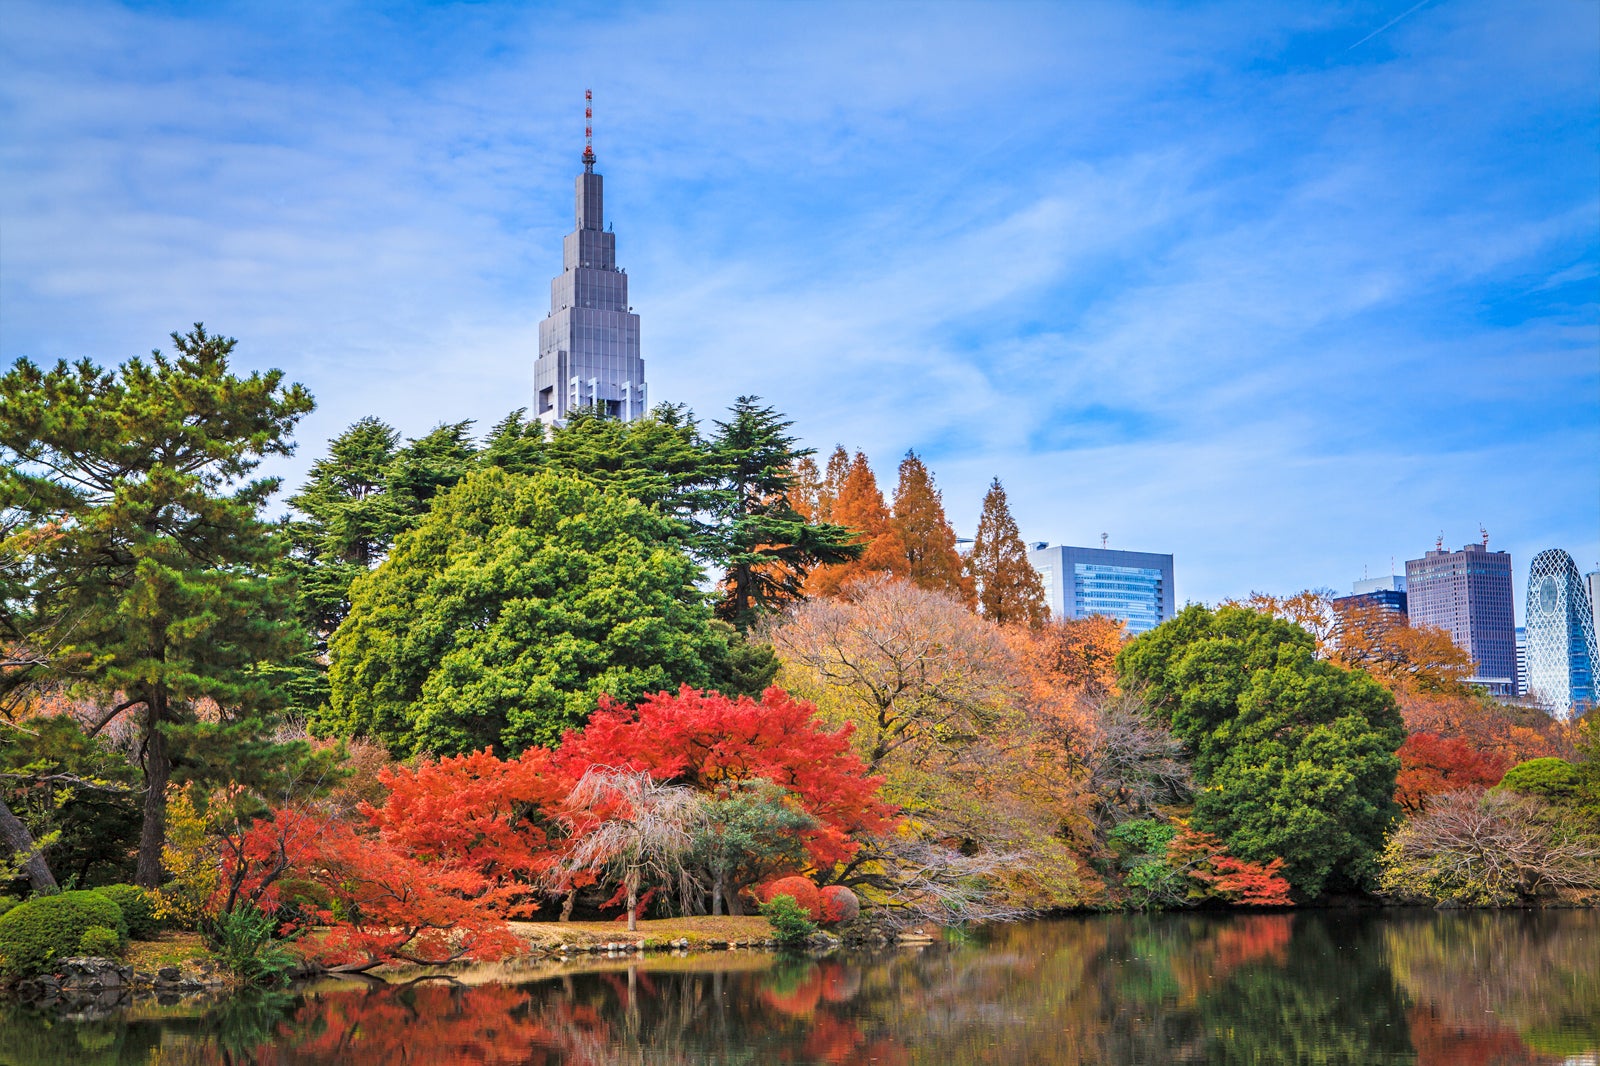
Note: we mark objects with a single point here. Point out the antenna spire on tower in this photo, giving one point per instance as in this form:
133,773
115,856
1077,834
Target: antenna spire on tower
588,131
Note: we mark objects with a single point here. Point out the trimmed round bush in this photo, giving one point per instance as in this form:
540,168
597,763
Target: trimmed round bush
100,941
36,933
800,889
839,904
138,909
1553,779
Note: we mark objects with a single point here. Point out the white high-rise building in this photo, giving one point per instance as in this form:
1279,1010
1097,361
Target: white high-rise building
1561,637
589,343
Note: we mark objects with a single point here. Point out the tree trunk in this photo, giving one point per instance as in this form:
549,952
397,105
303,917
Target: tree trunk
716,896
735,904
566,905
157,771
15,835
633,898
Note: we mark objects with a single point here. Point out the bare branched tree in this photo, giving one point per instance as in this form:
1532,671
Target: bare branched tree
1487,849
919,881
624,822
1135,763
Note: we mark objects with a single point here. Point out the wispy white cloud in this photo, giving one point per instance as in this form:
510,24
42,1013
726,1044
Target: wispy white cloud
1201,278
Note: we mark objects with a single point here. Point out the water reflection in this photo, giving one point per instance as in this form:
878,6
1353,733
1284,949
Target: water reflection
1425,989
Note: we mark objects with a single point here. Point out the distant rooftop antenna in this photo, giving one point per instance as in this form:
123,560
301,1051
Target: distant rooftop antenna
588,131
1391,566
1103,538
1484,533
1438,544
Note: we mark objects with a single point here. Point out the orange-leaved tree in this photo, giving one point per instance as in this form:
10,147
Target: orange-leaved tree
925,534
1009,588
860,506
1399,655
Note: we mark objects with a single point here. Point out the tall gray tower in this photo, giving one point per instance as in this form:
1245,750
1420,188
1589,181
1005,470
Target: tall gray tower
589,343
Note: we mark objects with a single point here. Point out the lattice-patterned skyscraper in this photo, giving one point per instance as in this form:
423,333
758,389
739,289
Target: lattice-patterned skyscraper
589,343
1561,638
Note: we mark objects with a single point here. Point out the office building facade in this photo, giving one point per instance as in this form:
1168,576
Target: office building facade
1561,635
1133,586
1522,660
1467,593
589,342
1385,593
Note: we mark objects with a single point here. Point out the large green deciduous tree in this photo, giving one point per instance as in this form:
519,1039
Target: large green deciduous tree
1294,757
147,571
518,601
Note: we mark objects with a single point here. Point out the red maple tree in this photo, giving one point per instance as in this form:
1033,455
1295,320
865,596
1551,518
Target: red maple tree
1431,765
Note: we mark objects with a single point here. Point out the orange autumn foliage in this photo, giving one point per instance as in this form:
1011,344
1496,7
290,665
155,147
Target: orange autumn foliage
860,506
1510,734
1431,765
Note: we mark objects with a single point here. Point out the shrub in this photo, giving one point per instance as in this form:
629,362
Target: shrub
800,889
138,909
1550,779
789,922
839,904
101,941
7,902
35,933
244,941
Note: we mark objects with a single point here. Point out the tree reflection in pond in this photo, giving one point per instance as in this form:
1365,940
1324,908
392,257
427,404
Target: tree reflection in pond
1322,987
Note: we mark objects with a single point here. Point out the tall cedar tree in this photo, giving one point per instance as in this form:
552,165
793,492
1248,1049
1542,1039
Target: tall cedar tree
929,543
833,479
767,547
150,573
1009,588
860,507
806,490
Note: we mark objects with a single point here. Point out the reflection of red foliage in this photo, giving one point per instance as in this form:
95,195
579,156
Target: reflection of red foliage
833,1039
706,740
1432,765
800,889
436,1025
1440,1043
1252,938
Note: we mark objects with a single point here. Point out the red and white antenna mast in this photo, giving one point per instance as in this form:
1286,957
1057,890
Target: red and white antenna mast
588,130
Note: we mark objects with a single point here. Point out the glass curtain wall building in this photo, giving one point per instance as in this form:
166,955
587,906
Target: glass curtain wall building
589,343
1133,586
1561,637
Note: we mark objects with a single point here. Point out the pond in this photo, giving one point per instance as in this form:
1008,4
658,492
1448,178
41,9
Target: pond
1307,987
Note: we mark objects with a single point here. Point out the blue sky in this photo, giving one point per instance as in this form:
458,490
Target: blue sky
1243,282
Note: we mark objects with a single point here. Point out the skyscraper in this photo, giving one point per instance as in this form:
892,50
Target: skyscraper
1386,593
1561,638
1133,586
589,342
1468,594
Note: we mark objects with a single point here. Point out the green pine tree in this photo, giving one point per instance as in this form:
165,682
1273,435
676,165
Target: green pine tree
149,572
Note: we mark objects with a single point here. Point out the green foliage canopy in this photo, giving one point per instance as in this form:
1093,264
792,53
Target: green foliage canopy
1294,757
516,603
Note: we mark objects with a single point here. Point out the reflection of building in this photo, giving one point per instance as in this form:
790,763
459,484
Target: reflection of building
1561,638
1467,593
1133,586
589,343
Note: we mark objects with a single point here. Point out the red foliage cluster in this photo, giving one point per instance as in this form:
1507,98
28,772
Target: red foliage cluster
460,844
839,904
800,889
710,741
1431,765
1205,860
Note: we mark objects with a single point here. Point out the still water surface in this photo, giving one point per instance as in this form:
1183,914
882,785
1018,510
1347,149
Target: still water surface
1449,989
